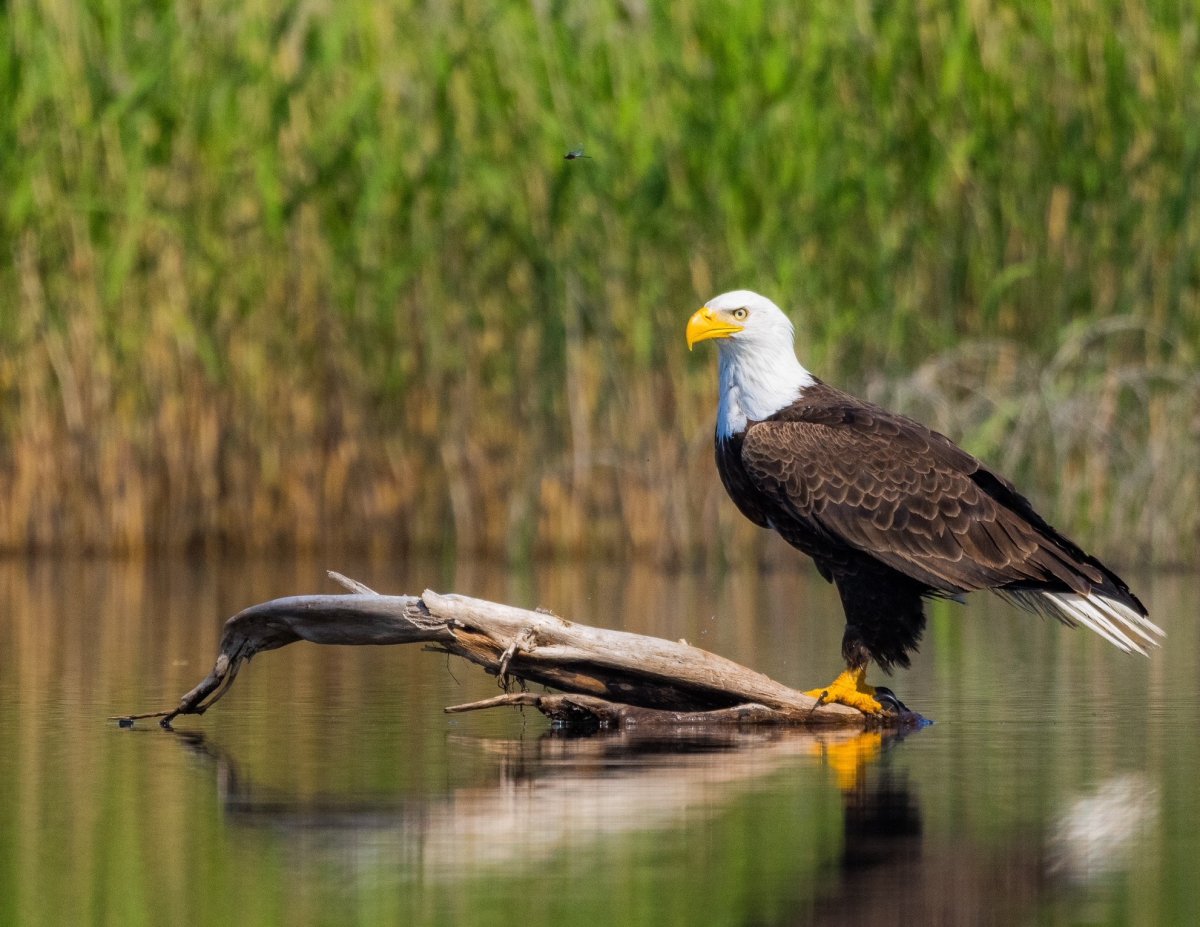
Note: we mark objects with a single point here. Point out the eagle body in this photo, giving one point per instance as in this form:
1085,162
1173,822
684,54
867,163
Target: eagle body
890,511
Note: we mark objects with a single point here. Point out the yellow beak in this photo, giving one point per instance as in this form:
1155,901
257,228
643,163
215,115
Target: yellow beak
704,325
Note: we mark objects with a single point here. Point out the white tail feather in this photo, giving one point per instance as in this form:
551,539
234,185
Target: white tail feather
1116,622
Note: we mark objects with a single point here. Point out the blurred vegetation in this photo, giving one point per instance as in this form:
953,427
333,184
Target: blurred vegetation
308,274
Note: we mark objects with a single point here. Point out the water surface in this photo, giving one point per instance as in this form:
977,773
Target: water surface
1058,785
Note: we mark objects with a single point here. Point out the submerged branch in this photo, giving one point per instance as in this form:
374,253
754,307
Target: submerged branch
610,678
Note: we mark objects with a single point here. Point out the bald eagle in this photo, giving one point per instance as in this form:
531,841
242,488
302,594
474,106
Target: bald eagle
891,512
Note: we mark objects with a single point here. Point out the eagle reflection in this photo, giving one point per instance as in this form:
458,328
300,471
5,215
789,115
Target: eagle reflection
881,817
891,872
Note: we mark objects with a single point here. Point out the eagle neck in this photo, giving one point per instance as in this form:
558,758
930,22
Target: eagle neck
755,384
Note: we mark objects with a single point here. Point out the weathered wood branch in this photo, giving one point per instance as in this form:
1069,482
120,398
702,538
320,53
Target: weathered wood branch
610,678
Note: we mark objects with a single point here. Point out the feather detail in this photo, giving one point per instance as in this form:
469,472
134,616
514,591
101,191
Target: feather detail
1115,621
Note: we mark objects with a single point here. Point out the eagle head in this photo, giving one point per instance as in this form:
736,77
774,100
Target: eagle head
744,318
759,371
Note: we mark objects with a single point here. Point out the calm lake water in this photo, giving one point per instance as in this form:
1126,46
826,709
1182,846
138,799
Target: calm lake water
1058,785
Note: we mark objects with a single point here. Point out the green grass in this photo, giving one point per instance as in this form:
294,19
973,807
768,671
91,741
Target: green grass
321,276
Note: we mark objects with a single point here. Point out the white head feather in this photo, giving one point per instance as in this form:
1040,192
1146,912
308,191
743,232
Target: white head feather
759,371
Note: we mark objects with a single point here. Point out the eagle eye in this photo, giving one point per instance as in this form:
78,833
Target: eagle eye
741,313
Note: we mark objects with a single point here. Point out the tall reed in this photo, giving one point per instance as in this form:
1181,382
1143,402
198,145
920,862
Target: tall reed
320,274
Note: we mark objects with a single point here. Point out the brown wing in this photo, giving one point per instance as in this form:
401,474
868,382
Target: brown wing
888,486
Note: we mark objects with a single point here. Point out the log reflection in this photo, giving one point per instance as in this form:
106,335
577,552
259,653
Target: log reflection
556,795
553,793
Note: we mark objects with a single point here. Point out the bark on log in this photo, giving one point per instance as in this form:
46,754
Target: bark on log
610,678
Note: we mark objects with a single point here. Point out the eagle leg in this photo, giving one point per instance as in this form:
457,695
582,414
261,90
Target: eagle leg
850,688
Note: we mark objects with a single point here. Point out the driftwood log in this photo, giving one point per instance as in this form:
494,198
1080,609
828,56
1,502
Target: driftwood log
606,679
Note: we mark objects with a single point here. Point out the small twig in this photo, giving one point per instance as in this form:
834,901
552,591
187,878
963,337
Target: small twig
496,701
524,642
819,702
352,584
587,711
149,714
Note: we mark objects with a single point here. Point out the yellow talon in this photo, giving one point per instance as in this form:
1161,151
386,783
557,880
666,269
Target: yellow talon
850,688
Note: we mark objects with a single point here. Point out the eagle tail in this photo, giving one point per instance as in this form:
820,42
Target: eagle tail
1122,626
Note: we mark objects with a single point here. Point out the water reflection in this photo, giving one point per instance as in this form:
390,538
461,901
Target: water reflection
554,797
556,793
1058,783
1097,833
890,871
